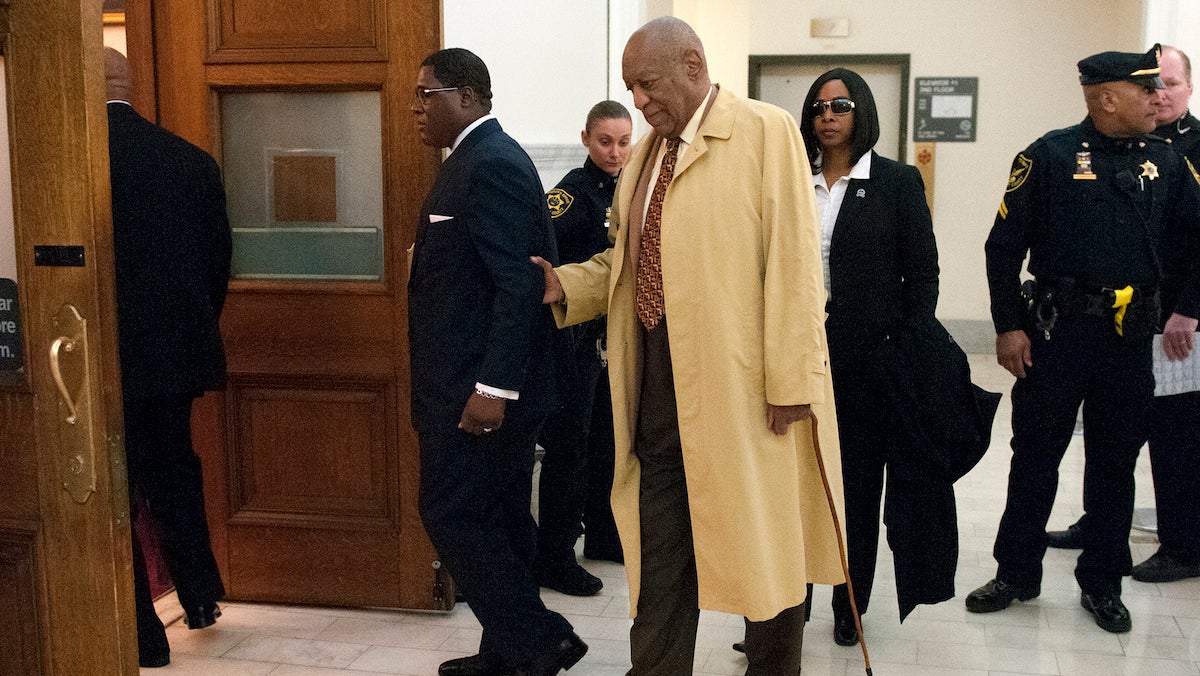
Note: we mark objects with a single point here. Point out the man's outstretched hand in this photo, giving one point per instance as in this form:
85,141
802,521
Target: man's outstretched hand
554,290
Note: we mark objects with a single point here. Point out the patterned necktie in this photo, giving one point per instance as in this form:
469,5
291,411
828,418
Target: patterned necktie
649,274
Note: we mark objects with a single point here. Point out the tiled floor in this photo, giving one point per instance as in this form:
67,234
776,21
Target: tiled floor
1049,635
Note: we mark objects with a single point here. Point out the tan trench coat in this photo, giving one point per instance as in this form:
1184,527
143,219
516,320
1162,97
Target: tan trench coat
745,304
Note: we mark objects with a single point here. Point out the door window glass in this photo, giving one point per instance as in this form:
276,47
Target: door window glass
304,181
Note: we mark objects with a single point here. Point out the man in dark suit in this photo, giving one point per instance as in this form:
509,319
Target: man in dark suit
171,240
481,380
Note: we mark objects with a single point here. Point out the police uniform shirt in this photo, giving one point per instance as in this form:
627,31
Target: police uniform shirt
1184,136
1094,209
579,207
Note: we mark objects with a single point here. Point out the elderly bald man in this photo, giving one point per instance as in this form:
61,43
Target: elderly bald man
717,361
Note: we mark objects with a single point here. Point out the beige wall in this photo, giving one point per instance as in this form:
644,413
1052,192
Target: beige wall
724,27
548,61
1024,54
551,60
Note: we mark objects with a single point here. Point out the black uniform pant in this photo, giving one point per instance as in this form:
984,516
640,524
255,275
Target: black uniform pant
1175,464
663,637
866,431
562,486
600,539
164,470
1084,362
474,502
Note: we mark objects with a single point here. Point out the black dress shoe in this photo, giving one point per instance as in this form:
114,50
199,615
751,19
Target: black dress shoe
153,649
152,659
475,665
204,616
740,646
1110,613
1071,538
998,595
844,631
560,657
1164,568
571,580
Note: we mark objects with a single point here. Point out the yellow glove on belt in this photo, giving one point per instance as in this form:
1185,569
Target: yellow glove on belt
1122,297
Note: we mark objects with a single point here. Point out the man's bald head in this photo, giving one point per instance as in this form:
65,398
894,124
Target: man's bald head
116,75
665,69
672,36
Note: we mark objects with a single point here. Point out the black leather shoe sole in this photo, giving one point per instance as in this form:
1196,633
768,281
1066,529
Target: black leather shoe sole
561,657
845,633
205,616
572,582
997,595
1164,568
1071,538
475,665
1110,614
152,661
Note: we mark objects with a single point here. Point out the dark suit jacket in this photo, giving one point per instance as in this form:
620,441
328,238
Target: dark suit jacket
945,425
474,298
172,244
882,259
884,278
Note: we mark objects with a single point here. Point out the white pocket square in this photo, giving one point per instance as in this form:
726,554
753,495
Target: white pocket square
438,218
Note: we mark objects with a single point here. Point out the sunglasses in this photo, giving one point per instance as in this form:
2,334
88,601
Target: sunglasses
839,106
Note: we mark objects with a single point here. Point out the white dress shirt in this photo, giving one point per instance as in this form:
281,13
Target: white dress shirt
829,203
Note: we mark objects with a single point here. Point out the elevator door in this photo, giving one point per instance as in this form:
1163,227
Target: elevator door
784,81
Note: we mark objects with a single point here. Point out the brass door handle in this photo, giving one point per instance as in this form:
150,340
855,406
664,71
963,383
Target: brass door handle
62,344
76,444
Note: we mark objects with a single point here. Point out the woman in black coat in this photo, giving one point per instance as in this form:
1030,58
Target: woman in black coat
881,273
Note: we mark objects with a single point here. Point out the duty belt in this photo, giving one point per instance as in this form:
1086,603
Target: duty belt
1105,301
1050,299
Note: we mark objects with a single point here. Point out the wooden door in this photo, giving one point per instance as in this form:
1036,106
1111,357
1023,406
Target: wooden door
66,584
309,458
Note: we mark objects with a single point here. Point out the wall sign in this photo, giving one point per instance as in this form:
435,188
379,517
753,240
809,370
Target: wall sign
945,109
11,354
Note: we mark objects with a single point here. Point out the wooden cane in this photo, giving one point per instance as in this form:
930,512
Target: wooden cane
837,529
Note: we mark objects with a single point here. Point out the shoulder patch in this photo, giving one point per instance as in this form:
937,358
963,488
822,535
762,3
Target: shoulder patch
1020,171
558,201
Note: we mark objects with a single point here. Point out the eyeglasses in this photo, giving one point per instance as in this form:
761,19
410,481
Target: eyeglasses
420,94
839,106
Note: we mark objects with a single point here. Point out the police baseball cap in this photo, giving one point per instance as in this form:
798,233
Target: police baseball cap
1140,69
